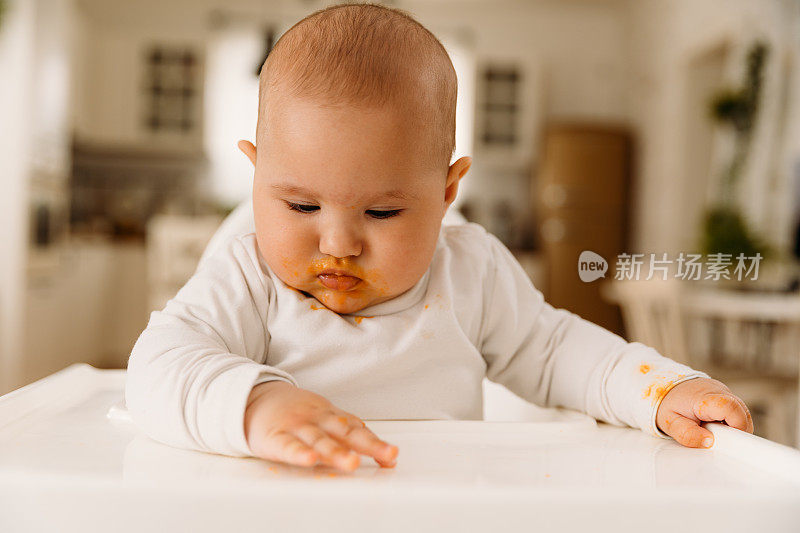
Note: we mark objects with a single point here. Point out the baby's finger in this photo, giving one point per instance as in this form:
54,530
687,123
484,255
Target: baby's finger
749,423
330,451
287,448
351,431
340,424
365,441
723,407
687,432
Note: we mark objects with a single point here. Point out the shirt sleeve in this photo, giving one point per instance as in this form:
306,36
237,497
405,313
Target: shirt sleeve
192,369
554,358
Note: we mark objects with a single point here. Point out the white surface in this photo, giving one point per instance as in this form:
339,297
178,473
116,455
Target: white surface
66,465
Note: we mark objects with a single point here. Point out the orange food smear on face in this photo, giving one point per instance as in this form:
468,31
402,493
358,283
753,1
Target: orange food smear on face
644,369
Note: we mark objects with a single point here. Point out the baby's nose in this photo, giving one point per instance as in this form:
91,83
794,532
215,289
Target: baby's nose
339,240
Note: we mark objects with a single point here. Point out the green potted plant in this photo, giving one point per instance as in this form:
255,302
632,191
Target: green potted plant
724,228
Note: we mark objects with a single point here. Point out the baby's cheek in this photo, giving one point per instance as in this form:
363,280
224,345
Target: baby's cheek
289,267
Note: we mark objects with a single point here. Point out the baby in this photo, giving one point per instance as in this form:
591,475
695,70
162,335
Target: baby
352,301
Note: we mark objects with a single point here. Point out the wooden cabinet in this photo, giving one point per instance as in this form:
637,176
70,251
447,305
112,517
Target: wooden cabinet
582,200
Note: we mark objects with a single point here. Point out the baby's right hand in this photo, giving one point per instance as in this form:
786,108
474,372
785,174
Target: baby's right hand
292,425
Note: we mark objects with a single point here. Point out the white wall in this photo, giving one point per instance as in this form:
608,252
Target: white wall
36,62
664,38
17,31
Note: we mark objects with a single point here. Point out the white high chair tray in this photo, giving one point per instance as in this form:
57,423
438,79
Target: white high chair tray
71,461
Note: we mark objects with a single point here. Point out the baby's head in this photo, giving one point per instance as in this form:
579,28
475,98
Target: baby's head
356,128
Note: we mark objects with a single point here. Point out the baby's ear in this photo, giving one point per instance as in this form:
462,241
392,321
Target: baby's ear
454,175
249,150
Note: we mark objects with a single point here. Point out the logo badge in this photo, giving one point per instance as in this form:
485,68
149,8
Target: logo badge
591,266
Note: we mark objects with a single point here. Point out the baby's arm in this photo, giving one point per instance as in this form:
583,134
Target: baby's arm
552,357
193,367
197,369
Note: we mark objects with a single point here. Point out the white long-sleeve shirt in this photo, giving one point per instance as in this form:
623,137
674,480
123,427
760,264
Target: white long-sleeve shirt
421,355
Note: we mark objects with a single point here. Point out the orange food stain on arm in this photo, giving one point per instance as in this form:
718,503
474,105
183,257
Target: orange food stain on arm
648,390
661,392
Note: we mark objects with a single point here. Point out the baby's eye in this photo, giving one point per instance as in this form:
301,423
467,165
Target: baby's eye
374,213
302,208
383,214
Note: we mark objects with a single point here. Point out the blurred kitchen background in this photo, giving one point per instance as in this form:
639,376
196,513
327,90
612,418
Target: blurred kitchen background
616,126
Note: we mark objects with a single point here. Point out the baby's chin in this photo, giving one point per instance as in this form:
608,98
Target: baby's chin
345,303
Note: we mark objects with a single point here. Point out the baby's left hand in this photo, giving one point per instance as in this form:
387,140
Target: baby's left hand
700,400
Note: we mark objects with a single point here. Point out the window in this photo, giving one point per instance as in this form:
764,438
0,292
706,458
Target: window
500,93
171,90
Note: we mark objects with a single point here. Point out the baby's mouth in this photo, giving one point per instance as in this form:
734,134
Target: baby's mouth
338,281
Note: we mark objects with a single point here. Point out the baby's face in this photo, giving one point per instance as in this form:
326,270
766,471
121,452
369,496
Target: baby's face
345,208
